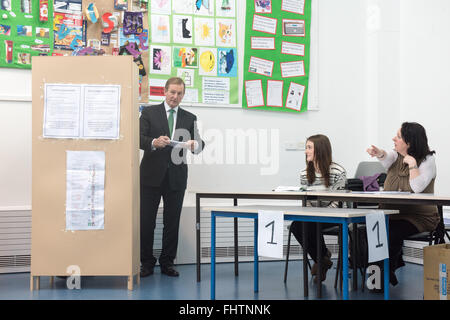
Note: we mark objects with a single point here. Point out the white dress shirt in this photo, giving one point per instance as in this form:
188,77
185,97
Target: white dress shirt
174,120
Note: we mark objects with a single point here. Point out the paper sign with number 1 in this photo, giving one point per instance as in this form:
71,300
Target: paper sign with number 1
376,237
270,234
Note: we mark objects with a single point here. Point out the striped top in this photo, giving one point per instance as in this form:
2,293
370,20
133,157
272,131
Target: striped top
338,177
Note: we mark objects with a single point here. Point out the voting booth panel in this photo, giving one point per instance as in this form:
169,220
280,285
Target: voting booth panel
112,250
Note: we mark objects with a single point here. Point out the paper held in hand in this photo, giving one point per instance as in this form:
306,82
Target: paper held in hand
287,188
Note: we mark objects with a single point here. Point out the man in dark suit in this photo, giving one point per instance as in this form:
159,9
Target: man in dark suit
164,172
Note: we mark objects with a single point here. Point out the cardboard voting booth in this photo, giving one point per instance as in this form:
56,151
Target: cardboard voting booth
85,168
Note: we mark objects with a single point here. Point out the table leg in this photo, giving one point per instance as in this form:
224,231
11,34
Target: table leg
305,254
130,283
355,253
386,264
305,261
319,259
345,259
197,218
213,256
236,244
31,282
255,260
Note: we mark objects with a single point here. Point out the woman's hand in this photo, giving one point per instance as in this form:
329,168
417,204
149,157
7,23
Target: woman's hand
375,152
410,161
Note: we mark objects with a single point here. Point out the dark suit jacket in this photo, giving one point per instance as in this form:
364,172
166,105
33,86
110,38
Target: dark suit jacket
155,163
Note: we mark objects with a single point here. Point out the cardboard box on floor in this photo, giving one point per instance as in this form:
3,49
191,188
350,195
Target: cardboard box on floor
436,261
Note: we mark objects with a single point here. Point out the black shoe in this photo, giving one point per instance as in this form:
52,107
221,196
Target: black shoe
170,271
315,266
324,266
146,271
376,290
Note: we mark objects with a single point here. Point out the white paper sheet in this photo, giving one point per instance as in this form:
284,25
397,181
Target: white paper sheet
263,43
160,28
296,49
190,95
81,111
225,32
292,69
161,6
295,96
204,31
287,188
264,24
270,234
182,29
254,94
274,93
295,6
85,185
216,90
378,245
101,116
260,66
62,111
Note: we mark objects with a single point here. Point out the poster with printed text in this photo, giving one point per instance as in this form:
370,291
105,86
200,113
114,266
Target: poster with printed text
277,55
196,41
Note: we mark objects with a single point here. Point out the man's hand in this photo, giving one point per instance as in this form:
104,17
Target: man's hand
161,142
191,144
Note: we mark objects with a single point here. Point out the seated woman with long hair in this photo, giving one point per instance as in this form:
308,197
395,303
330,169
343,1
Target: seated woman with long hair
321,173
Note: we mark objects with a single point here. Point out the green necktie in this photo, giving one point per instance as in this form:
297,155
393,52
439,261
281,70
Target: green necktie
170,120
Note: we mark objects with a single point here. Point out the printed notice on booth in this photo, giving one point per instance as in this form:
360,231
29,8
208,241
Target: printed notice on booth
85,190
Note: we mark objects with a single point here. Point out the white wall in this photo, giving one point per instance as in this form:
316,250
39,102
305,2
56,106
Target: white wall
424,76
372,77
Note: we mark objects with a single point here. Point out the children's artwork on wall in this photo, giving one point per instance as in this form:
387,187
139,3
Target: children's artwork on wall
121,4
188,76
208,62
263,6
140,5
202,35
225,8
161,6
227,62
161,59
225,33
5,4
160,29
134,45
204,7
42,32
5,30
204,31
182,29
185,57
132,23
182,6
22,33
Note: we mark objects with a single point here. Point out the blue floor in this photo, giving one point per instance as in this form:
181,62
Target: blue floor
229,287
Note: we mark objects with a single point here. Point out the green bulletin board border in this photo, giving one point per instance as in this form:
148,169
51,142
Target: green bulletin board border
275,55
20,41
